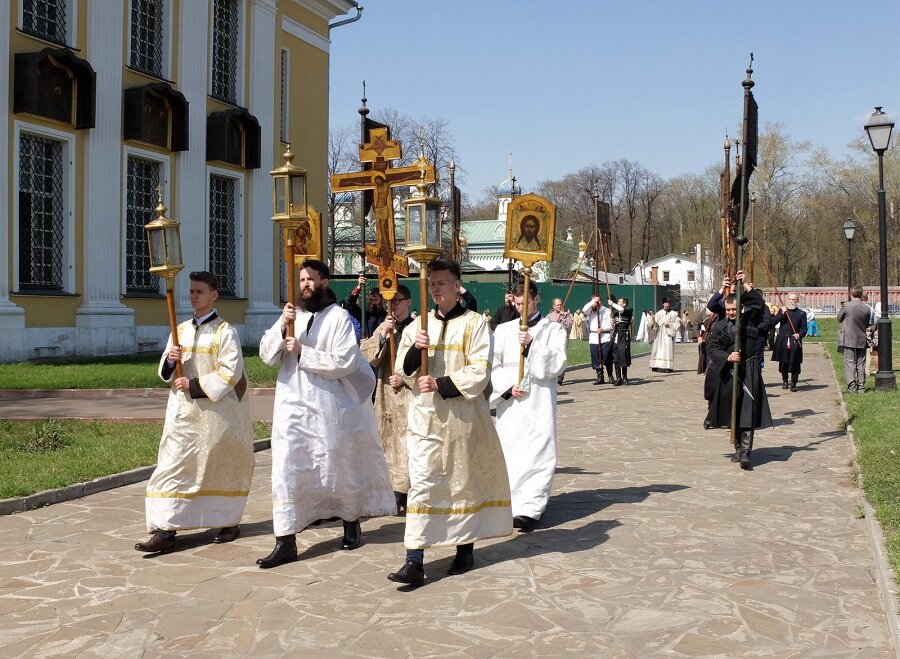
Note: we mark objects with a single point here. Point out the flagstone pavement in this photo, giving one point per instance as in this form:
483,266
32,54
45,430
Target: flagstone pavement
653,544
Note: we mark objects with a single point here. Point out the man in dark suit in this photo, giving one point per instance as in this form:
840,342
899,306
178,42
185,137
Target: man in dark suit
854,319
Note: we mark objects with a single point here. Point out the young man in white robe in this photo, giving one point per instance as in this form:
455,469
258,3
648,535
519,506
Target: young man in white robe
327,459
662,354
459,489
526,409
205,464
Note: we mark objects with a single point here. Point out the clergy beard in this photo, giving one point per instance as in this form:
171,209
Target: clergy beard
791,306
316,301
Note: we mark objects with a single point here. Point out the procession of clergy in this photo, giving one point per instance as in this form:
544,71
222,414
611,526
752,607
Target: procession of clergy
428,447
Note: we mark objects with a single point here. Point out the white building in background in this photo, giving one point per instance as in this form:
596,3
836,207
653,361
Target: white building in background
694,276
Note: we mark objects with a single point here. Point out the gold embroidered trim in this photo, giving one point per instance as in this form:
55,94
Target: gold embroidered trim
194,495
467,510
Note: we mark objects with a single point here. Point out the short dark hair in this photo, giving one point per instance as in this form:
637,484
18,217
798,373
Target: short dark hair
665,299
625,299
731,297
207,278
445,264
318,266
404,291
532,289
856,291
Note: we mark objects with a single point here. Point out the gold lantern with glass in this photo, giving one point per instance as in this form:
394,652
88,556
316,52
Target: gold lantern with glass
423,241
164,243
289,211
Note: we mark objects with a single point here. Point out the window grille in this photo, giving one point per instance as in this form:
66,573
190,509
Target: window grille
225,50
41,212
147,36
143,178
45,18
223,232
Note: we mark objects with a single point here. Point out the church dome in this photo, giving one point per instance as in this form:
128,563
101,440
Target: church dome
506,189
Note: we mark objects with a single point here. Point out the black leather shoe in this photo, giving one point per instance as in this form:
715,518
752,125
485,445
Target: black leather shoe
352,535
625,381
524,523
411,574
228,534
618,383
735,457
285,552
793,387
462,563
785,385
706,424
745,461
158,543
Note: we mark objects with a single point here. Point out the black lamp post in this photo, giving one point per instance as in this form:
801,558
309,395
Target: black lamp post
879,128
849,230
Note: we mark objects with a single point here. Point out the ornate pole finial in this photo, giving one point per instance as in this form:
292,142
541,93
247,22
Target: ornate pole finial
748,82
160,208
363,110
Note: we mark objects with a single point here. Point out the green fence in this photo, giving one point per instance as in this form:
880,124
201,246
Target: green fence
489,295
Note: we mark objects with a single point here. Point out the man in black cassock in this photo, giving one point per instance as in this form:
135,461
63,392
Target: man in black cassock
788,350
752,406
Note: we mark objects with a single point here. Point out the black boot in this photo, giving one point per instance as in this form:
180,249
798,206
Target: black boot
794,378
784,381
412,574
352,535
599,379
625,375
618,382
746,449
285,552
464,560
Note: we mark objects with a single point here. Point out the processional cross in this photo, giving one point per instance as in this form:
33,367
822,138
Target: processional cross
381,179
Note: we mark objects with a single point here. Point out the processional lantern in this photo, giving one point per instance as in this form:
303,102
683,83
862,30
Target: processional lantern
423,240
289,211
164,243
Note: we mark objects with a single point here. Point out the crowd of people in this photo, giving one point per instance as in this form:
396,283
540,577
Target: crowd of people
378,414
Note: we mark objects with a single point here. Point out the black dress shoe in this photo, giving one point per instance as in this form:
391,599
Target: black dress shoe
524,523
462,563
158,543
285,552
411,574
706,424
227,534
352,535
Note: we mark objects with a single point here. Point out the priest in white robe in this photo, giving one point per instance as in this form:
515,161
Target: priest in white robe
327,459
459,489
668,324
526,409
205,464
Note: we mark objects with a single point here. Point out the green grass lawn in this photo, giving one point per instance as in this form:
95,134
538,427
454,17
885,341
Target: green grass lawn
42,455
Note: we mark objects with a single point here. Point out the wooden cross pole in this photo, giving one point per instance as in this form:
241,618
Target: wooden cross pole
379,151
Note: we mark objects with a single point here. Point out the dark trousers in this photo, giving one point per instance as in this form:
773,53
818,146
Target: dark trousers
601,356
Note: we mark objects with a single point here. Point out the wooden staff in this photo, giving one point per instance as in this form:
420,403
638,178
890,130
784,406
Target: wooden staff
578,269
173,324
290,266
605,271
523,319
388,296
777,292
423,315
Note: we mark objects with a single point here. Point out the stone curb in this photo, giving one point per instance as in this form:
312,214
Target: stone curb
884,574
79,490
99,394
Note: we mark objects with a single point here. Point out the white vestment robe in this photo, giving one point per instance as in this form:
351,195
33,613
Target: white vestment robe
643,333
327,459
205,464
662,354
459,489
527,427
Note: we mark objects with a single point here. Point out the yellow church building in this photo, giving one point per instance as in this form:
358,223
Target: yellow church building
108,99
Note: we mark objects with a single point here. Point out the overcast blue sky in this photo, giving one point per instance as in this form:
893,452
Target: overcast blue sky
566,84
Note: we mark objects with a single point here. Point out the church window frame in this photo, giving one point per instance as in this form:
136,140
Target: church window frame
142,171
149,39
57,254
226,53
225,229
50,20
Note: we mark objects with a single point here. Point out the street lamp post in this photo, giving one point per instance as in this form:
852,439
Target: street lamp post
849,230
879,128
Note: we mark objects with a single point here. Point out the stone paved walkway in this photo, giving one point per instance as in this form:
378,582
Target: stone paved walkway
654,544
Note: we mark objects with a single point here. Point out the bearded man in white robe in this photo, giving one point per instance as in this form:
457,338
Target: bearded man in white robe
459,490
205,464
526,409
327,459
662,354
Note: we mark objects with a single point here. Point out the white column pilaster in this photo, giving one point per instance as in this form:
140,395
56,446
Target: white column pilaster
12,317
189,170
103,324
262,264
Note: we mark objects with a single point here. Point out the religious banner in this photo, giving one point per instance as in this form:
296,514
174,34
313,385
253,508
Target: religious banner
530,228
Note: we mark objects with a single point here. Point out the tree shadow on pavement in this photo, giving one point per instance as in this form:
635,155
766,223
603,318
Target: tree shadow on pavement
768,454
